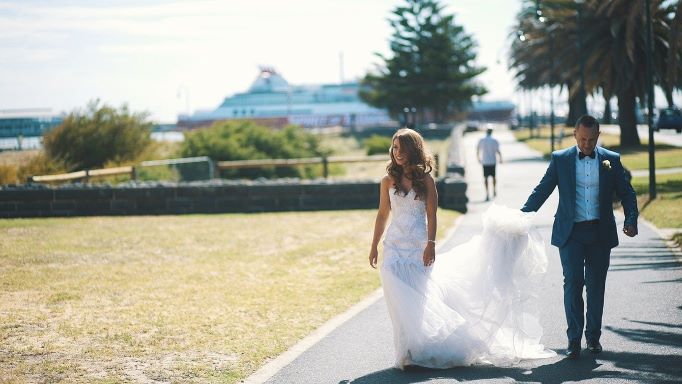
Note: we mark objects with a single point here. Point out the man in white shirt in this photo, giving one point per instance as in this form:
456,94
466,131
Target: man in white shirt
487,152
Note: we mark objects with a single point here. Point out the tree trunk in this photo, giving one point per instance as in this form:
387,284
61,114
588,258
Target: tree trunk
674,40
607,111
577,107
669,97
627,118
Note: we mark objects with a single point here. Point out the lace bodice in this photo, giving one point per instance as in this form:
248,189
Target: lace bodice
407,229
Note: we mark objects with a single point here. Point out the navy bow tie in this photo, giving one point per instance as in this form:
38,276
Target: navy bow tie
591,156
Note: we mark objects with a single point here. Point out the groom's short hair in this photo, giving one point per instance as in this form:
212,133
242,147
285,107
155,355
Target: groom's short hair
587,121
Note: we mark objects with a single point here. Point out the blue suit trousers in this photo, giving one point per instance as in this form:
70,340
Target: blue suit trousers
585,261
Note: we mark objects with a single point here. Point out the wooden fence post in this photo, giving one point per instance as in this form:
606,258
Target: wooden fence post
211,169
325,167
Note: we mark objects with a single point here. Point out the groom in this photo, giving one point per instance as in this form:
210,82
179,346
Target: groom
584,226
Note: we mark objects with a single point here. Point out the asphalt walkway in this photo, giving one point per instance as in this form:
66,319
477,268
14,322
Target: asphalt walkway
642,333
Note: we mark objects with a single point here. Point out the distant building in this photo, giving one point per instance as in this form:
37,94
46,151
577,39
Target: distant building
502,111
272,101
27,122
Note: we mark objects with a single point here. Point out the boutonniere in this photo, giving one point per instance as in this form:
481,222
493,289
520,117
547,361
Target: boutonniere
606,164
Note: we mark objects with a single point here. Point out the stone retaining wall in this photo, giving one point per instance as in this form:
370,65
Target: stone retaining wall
218,196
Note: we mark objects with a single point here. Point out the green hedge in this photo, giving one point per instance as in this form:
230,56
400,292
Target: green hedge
245,140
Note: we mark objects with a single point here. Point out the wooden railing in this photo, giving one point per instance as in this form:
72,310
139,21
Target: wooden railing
325,161
86,174
129,170
216,166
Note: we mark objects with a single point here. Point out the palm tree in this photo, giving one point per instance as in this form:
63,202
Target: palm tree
673,75
547,52
614,52
618,52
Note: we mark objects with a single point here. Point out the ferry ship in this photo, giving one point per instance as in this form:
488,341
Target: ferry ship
272,101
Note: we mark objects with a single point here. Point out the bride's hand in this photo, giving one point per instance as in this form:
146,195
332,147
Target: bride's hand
429,255
373,256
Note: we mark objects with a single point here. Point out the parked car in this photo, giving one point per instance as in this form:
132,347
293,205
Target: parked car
669,118
472,126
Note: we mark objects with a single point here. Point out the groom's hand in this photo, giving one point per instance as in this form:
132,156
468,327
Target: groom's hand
630,230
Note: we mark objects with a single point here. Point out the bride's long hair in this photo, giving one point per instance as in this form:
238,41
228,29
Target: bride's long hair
419,162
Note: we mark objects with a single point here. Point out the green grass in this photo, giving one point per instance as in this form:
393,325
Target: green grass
666,210
667,156
191,299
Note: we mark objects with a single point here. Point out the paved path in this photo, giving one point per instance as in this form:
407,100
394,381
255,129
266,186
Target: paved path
659,171
643,314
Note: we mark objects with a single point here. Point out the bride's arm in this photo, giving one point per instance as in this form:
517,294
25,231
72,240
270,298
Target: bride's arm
380,222
432,223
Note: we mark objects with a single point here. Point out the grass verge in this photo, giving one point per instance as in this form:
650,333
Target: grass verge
666,210
667,156
192,299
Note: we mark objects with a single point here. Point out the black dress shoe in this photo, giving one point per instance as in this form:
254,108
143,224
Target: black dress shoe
594,346
573,350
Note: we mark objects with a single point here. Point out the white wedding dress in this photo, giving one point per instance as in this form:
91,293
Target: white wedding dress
474,304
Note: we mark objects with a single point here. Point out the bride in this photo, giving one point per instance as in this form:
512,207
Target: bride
474,304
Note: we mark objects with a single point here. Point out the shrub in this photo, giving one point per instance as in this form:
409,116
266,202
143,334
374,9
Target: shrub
98,135
8,174
41,164
245,140
377,145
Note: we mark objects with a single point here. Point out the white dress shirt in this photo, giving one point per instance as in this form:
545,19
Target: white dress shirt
488,146
586,187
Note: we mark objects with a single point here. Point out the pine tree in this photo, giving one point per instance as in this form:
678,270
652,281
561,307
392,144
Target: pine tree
431,68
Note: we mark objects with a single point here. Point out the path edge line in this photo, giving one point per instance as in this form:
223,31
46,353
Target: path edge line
675,250
273,366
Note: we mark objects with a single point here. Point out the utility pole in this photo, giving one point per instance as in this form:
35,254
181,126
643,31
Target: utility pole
650,99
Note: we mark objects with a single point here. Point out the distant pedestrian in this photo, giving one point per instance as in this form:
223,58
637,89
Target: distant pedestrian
487,152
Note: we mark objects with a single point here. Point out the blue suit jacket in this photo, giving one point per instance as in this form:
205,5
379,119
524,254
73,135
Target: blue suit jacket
561,172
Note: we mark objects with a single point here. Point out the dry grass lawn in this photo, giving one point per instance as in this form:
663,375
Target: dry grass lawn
190,299
17,158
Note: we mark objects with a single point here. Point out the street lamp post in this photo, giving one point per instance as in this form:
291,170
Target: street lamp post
582,94
551,85
550,34
551,117
650,100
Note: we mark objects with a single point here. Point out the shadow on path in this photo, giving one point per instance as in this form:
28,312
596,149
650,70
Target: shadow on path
642,366
656,336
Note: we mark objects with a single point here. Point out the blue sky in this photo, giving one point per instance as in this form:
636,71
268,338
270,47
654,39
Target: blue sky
163,56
